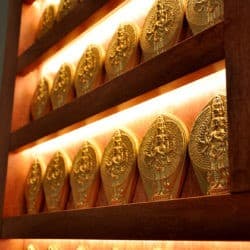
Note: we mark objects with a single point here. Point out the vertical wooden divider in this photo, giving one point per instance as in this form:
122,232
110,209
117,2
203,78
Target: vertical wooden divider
237,52
10,12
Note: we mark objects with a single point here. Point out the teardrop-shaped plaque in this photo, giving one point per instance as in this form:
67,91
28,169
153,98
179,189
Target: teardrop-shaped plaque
84,177
122,53
162,157
65,7
41,104
33,187
89,70
62,90
201,14
208,147
162,27
118,168
55,182
46,22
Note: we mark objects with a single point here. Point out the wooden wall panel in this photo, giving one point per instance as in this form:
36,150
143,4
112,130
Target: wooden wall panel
237,50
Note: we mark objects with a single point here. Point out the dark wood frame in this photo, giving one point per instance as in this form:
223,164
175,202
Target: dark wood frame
205,218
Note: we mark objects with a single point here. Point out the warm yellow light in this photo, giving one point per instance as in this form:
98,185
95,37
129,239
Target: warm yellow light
131,11
178,99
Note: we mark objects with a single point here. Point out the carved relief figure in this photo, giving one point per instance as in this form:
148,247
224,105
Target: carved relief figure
116,166
164,20
158,157
215,145
122,46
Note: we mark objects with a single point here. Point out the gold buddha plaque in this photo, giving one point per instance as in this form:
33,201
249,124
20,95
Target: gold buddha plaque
46,22
122,52
84,177
55,182
162,27
118,168
33,187
208,147
65,7
89,70
162,157
40,103
62,90
202,14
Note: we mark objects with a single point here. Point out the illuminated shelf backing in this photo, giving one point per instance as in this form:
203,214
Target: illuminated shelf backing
186,57
203,218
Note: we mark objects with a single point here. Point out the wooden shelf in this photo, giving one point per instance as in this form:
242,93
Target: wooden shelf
203,218
186,57
80,14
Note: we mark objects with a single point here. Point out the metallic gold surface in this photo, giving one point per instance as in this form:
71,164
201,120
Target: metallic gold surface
202,14
118,168
84,177
65,7
89,70
40,103
208,147
162,156
162,27
33,187
62,90
47,21
122,52
55,182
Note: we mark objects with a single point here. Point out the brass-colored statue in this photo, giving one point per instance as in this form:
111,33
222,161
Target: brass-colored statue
65,7
118,168
40,103
55,182
162,157
84,177
162,27
122,53
89,70
33,187
62,90
46,22
202,14
208,147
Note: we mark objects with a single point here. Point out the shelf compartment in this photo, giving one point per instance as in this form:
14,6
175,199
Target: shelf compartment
186,57
85,9
203,218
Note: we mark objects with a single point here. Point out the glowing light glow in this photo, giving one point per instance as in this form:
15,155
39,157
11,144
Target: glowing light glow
131,11
168,102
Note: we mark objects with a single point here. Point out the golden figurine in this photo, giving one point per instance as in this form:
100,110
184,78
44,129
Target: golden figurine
202,14
208,147
84,177
162,27
40,103
33,187
62,90
118,168
161,159
46,22
55,182
89,70
122,52
65,7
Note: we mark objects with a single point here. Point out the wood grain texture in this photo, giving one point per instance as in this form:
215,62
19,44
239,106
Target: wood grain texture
204,218
186,57
237,49
83,11
9,33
